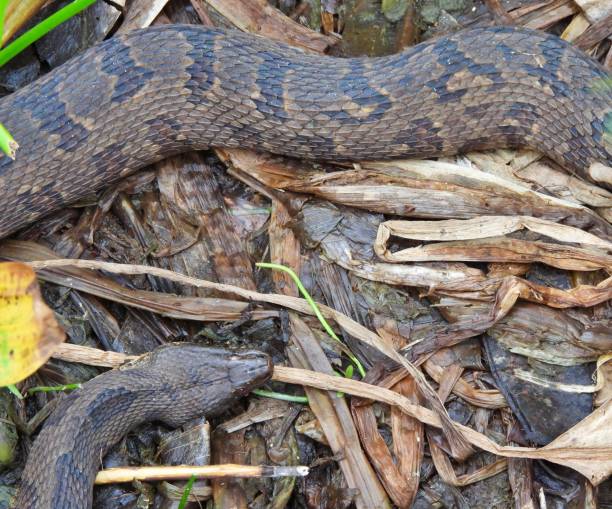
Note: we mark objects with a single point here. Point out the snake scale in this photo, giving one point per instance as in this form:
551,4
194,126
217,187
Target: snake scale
138,98
172,384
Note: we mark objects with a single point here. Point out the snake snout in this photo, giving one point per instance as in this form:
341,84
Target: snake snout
249,369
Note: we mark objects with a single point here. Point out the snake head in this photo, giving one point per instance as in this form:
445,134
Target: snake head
204,380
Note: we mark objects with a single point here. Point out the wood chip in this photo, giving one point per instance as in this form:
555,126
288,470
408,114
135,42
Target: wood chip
141,13
544,14
595,33
576,27
595,10
259,17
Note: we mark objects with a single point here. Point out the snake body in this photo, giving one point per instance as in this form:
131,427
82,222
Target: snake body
172,384
138,98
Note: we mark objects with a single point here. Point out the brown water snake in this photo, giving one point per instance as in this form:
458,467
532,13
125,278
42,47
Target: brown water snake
138,98
172,384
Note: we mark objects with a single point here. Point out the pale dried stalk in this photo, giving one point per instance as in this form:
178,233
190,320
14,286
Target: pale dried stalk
172,306
91,356
185,472
576,27
565,186
456,174
601,173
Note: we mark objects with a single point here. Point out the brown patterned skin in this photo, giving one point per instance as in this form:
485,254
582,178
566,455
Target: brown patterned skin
136,99
172,384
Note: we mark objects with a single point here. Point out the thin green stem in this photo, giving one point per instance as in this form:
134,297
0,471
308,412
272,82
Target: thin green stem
44,27
280,395
314,307
14,391
186,492
54,388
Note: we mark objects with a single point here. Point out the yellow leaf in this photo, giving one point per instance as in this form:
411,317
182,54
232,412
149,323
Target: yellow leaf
29,332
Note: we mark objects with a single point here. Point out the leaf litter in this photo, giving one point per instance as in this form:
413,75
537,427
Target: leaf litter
500,247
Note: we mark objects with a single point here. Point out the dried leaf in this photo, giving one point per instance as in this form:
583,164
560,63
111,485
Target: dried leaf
29,332
543,14
17,14
379,454
491,226
490,248
491,398
604,379
511,289
408,439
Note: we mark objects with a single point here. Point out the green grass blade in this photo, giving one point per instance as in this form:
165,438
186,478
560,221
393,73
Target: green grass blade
54,388
280,395
314,307
44,27
14,391
186,492
7,144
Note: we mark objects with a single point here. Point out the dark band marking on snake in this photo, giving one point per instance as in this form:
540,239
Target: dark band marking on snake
138,98
173,384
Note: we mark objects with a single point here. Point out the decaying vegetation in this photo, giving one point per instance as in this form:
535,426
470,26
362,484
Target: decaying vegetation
474,292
